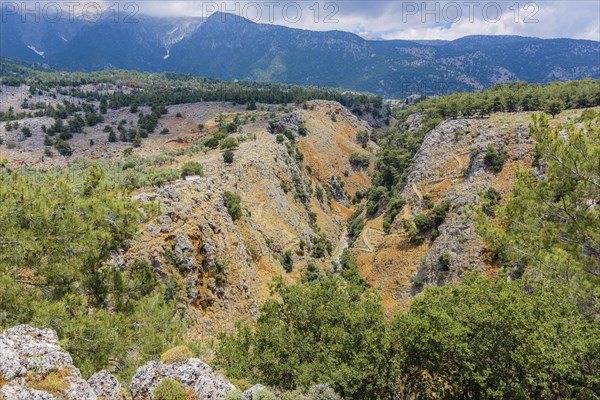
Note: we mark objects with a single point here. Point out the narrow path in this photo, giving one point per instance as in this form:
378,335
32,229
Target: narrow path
366,237
341,245
417,191
460,165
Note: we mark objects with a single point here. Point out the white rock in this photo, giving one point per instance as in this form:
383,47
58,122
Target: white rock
192,374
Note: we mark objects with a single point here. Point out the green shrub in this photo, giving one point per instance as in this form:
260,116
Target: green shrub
264,394
363,138
228,157
356,224
26,131
233,204
302,131
554,107
169,389
422,222
359,160
289,135
234,394
492,196
228,144
287,261
393,209
444,262
319,249
489,200
414,236
192,168
220,279
372,207
494,159
211,142
63,148
312,272
418,281
176,354
440,212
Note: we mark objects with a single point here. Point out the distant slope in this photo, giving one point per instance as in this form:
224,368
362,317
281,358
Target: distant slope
230,47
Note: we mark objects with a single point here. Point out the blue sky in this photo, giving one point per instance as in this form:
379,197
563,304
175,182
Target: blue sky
408,19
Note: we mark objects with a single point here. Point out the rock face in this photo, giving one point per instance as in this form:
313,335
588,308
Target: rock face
449,166
226,266
106,386
193,374
249,394
33,361
34,367
16,391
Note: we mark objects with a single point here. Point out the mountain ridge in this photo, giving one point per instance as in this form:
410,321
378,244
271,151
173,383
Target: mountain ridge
228,46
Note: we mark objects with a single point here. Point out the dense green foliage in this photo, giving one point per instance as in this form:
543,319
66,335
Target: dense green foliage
287,261
481,339
495,339
55,237
328,331
512,97
355,224
426,222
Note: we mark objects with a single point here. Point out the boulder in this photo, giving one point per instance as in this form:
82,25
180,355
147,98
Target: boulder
31,360
193,374
106,386
249,394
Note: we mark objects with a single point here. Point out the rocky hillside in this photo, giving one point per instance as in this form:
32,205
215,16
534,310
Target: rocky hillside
449,168
229,47
294,194
226,266
33,366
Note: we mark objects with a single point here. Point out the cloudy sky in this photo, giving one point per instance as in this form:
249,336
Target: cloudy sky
408,19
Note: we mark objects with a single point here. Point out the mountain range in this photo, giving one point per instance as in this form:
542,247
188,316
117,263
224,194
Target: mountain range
227,46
